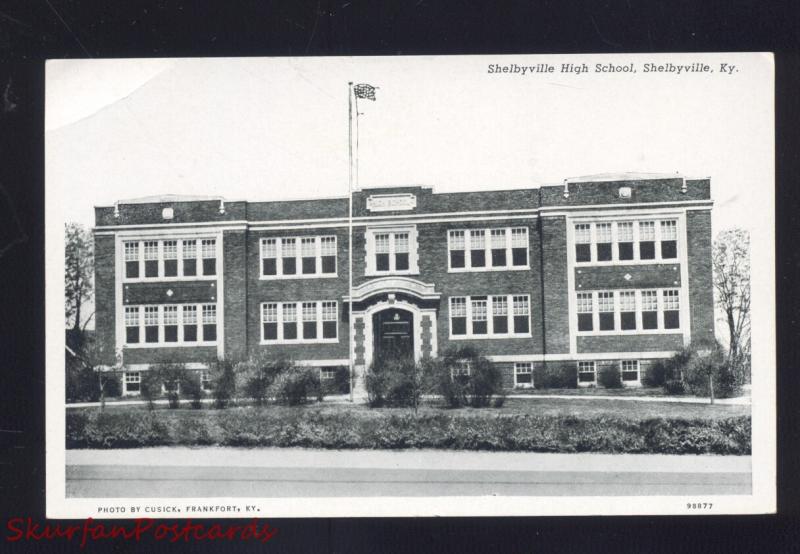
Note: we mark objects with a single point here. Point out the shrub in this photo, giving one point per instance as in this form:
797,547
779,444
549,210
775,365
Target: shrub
223,382
82,382
675,387
255,375
710,366
111,384
655,375
150,387
609,376
192,388
295,385
340,384
395,382
550,376
477,388
171,374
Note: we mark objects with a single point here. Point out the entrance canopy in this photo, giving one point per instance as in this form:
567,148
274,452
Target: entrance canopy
393,285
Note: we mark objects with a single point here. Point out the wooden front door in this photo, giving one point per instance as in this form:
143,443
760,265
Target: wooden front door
394,336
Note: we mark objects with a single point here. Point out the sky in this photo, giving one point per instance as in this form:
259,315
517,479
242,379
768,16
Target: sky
274,128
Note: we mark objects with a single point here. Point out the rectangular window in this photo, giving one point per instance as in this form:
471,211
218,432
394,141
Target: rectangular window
477,245
461,368
583,242
170,248
521,314
308,253
151,324
458,315
328,254
151,258
170,323
382,252
649,309
401,251
269,321
630,371
205,380
209,253
189,258
499,315
625,240
309,320
209,322
327,373
669,239
523,374
627,310
479,321
498,245
269,257
189,320
585,311
605,305
131,324
133,381
289,256
587,372
289,312
647,240
457,249
519,246
671,307
329,320
132,260
604,241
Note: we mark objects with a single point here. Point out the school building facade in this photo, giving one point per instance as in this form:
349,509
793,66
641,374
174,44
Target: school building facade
605,270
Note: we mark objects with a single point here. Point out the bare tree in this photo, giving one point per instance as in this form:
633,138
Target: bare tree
78,270
731,264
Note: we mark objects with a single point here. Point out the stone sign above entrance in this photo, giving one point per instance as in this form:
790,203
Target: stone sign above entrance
391,202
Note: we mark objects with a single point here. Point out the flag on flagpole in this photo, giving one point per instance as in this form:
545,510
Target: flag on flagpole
364,91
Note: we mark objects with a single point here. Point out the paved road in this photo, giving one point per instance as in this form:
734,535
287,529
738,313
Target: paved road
279,473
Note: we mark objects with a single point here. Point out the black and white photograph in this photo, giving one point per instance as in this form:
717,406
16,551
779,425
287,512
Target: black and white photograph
410,286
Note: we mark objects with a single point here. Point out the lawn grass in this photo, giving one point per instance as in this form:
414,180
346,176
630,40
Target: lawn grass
534,425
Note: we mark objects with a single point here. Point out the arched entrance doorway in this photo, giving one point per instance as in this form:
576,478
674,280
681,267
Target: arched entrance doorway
393,334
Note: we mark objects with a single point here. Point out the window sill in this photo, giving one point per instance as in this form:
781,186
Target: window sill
613,263
484,337
167,344
629,333
297,341
523,386
298,276
126,281
488,269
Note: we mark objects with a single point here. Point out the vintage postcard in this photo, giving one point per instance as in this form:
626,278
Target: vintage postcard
410,286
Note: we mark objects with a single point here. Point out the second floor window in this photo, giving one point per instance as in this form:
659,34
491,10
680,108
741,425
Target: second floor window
287,322
391,251
169,259
287,257
621,241
170,324
487,249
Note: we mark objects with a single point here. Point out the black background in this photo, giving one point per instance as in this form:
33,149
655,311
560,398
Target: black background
34,30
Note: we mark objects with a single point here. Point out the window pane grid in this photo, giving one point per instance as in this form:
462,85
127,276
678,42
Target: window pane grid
151,250
603,232
133,377
170,315
625,231
519,237
671,300
209,248
498,238
131,316
170,249
308,247
329,311
189,315
151,315
269,248
131,251
189,249
209,314
520,305
583,233
289,247
669,230
269,313
309,311
584,302
647,230
457,240
605,301
401,243
289,312
521,368
458,307
627,301
478,310
328,246
477,239
499,305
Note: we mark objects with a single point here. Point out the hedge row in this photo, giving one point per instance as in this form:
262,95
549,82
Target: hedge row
316,429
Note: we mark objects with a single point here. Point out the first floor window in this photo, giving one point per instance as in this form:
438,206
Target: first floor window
269,320
133,380
209,322
457,249
630,370
309,320
329,320
458,315
461,368
523,374
585,311
649,309
205,380
627,310
479,326
327,373
189,316
586,372
289,321
671,300
170,323
605,305
521,314
500,314
151,324
131,324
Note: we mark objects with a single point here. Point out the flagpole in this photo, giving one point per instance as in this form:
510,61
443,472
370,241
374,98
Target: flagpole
350,322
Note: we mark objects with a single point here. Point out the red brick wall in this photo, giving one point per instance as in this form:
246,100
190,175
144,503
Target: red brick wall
554,269
235,270
630,343
701,287
104,297
613,277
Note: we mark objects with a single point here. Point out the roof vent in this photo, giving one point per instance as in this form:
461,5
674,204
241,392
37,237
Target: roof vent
167,213
624,192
